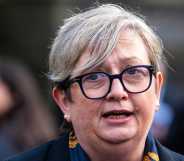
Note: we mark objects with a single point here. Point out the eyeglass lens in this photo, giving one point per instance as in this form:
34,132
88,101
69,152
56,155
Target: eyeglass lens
134,79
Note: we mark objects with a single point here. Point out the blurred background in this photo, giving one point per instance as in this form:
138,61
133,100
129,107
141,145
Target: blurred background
27,28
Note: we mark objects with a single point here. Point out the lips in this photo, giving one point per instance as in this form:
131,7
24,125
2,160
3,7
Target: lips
117,114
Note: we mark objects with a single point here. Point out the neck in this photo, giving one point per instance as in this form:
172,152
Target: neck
127,151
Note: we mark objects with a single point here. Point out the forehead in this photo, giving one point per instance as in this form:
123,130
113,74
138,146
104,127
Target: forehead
129,50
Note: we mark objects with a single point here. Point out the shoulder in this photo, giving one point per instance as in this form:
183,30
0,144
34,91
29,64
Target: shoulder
166,154
56,150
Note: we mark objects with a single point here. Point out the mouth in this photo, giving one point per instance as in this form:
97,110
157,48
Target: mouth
117,114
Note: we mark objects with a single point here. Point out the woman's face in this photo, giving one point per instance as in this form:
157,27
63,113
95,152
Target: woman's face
91,127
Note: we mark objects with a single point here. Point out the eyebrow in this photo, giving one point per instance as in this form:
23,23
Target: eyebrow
125,62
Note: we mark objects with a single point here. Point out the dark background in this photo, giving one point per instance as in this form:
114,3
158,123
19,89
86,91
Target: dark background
27,28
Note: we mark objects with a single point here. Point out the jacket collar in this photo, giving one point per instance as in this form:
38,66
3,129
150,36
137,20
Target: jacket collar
168,155
59,151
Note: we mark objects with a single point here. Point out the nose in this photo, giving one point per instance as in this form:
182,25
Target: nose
117,91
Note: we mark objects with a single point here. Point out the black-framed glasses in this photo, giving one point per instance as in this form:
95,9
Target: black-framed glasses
97,85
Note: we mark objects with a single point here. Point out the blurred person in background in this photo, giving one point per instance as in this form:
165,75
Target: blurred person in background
105,67
25,120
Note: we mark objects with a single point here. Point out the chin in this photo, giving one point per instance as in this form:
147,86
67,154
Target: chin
117,137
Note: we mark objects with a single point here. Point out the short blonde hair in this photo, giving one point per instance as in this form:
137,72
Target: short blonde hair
97,29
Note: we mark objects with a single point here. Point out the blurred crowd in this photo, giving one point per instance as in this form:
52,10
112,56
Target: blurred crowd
25,119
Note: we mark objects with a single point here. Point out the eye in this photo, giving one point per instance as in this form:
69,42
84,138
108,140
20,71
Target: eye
94,77
136,73
132,71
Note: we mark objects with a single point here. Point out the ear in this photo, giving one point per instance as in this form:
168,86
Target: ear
159,84
61,100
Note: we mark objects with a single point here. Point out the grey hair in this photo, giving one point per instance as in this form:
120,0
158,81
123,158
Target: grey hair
96,33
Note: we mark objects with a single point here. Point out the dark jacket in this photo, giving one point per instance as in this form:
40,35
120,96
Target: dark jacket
57,150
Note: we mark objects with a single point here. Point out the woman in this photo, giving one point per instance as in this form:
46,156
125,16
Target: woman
25,120
105,65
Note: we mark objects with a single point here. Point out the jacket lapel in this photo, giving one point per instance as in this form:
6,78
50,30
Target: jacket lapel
59,151
166,154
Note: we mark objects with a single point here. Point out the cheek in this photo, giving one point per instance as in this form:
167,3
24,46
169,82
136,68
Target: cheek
148,101
145,105
85,109
84,112
84,118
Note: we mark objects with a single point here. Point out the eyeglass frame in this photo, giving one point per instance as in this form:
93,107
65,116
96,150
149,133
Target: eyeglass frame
65,84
